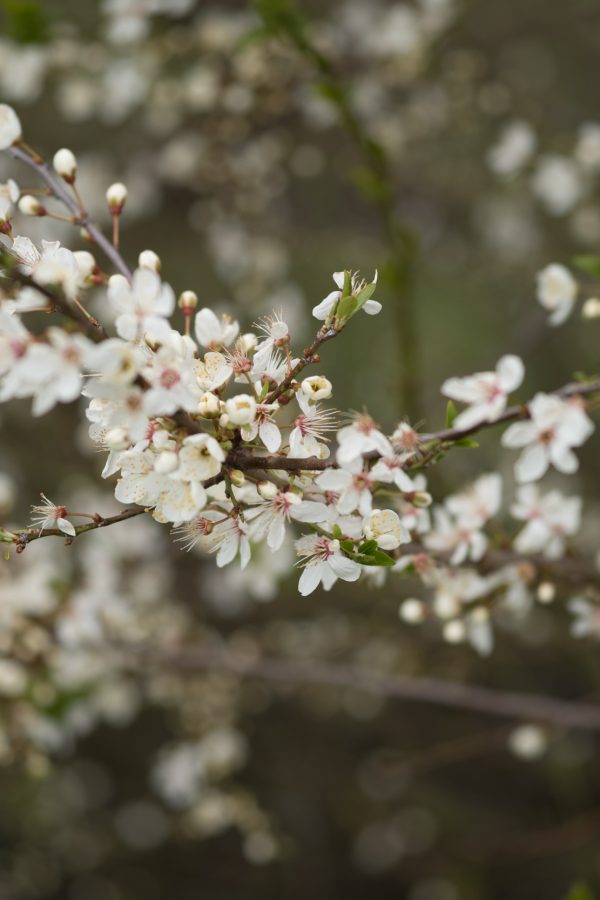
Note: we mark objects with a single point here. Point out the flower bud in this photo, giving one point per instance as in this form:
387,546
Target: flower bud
117,439
10,126
412,611
224,421
317,387
546,592
247,342
148,259
116,196
65,164
591,308
209,405
267,490
241,410
85,263
421,499
187,303
30,206
166,462
237,477
454,631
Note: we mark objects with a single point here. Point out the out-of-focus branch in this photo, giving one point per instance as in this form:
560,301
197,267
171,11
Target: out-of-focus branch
81,217
438,692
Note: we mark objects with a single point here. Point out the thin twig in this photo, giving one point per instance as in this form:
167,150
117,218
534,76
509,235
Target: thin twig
83,219
26,536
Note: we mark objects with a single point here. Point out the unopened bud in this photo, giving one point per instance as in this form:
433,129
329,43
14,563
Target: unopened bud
247,342
209,405
65,164
187,303
412,611
237,477
30,206
116,197
267,490
546,592
454,632
421,499
117,439
166,462
148,259
591,308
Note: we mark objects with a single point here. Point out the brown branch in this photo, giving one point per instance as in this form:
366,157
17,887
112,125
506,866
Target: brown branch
245,460
82,218
22,537
435,691
309,356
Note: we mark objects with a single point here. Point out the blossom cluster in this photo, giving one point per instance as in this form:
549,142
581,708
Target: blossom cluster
221,434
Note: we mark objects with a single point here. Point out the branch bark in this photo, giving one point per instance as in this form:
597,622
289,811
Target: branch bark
434,691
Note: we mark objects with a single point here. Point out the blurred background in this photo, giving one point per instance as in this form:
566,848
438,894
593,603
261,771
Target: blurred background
454,146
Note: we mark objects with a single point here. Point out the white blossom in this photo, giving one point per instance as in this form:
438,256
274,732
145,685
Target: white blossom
323,563
485,392
557,292
554,428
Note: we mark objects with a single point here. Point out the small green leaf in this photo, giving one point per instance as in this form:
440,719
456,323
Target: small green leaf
451,413
336,531
348,546
366,294
347,307
368,547
378,558
588,264
466,442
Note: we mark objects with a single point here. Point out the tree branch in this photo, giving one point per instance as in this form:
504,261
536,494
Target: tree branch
59,190
27,535
438,692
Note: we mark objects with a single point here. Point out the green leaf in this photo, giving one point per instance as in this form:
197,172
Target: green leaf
580,891
366,294
588,264
451,413
368,547
25,21
337,532
347,307
466,442
348,546
378,558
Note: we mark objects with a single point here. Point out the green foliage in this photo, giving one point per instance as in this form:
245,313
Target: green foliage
24,21
368,554
451,413
588,264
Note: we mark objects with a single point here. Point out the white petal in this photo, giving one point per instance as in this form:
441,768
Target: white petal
310,578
